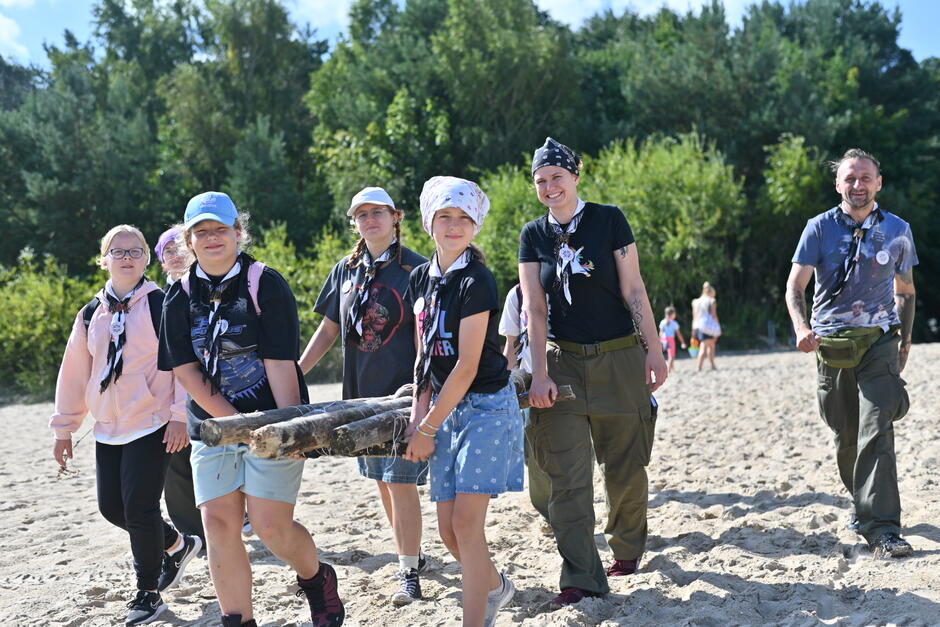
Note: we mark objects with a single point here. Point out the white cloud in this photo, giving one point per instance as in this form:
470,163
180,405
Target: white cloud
574,13
322,14
9,46
16,3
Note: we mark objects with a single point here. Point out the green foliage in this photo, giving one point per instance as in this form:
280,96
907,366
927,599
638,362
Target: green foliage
41,304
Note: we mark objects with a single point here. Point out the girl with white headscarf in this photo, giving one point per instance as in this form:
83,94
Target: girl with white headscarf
466,418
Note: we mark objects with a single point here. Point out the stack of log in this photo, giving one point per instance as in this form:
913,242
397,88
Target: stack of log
363,427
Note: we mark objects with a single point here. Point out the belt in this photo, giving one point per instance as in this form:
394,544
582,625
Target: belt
597,348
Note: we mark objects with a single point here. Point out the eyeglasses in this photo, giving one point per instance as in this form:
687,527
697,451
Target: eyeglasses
376,213
121,253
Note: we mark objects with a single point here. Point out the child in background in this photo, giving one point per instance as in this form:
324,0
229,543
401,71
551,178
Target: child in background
668,330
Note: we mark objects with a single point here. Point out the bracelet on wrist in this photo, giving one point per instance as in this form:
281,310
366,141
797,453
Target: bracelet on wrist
427,425
424,433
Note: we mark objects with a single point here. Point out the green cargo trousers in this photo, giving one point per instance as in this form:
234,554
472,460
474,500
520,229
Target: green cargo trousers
860,405
610,420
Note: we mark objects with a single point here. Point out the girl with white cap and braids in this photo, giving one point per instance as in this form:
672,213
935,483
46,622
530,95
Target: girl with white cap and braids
362,303
231,335
465,416
583,256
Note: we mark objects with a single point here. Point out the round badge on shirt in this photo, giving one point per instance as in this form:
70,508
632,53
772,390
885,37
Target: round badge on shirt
566,253
117,327
347,285
419,305
883,257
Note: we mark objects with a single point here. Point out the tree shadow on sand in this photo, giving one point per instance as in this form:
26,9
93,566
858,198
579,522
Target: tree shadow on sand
741,505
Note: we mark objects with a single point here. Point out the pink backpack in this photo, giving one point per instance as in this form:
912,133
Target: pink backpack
254,280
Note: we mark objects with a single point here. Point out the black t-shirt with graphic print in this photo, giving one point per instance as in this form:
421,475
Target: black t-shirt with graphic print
597,312
248,340
472,291
383,359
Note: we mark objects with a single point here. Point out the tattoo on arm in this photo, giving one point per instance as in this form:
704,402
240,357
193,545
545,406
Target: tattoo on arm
796,303
905,305
636,312
623,251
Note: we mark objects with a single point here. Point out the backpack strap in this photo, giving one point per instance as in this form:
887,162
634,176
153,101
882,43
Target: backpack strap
255,270
155,302
88,311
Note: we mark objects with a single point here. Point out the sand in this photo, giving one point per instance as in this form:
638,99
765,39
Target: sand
747,525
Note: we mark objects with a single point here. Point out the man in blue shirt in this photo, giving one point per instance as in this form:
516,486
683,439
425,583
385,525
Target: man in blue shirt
863,312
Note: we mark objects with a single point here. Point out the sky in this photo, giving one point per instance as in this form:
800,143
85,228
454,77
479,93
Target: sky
26,24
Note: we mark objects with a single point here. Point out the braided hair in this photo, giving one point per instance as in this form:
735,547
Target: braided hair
355,255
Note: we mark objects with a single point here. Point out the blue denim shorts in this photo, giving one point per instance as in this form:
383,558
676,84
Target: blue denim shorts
393,470
478,449
220,470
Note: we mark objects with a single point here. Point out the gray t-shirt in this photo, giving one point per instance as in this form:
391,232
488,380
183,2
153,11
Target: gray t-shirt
383,359
867,300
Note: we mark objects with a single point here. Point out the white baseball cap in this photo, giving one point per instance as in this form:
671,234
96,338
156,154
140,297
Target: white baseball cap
370,196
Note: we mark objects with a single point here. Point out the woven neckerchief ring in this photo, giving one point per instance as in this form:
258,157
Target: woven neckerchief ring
360,294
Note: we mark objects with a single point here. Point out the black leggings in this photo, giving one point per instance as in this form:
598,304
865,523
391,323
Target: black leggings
130,483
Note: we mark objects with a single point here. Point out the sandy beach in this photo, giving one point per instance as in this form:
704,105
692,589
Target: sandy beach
747,524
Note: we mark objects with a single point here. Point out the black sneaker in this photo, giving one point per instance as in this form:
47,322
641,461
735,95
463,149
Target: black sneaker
853,524
145,608
174,565
321,590
422,563
410,588
235,620
891,545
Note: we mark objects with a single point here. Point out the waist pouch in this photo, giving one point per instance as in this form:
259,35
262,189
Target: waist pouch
845,349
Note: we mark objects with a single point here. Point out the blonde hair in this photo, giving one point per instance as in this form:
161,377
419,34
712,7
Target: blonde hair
707,289
114,232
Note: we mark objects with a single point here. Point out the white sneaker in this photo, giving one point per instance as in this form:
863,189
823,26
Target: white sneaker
498,598
247,529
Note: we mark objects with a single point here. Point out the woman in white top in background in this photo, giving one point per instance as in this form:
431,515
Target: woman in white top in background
705,325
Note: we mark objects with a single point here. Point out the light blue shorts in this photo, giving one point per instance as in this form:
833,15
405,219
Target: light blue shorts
394,470
220,470
478,449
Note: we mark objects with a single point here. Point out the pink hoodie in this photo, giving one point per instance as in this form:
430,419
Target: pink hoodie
142,397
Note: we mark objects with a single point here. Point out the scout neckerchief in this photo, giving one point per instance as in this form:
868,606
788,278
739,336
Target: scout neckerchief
855,248
217,325
430,306
522,340
118,307
566,257
361,294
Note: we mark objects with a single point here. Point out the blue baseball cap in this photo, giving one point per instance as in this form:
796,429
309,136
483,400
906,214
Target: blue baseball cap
210,206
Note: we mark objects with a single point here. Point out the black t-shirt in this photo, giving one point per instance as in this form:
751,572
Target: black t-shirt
597,312
248,340
471,291
383,359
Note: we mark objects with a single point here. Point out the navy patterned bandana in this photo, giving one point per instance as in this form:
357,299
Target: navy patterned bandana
555,153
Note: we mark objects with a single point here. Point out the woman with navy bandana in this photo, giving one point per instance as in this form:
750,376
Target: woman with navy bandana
465,416
362,302
582,255
231,335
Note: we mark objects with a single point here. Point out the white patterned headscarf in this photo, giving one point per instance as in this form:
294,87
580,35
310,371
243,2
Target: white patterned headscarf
440,192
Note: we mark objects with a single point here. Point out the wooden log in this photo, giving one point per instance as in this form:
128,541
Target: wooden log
388,449
380,428
311,432
237,429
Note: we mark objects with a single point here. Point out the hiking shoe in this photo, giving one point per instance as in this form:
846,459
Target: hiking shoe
410,588
853,524
247,529
235,620
497,599
891,545
570,596
145,608
621,568
174,565
326,608
422,563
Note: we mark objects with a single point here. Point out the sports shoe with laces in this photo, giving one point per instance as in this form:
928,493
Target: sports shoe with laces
570,596
145,608
410,588
174,565
497,599
422,563
891,545
235,620
321,590
621,568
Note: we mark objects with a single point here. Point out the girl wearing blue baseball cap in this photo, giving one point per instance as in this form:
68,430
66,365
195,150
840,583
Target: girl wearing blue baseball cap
362,302
231,334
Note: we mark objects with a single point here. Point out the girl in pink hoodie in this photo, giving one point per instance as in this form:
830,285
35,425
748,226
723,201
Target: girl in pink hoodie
110,371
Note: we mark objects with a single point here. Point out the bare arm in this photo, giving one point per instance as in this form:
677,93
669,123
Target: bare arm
509,351
285,387
542,392
904,300
190,376
806,340
634,294
323,338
